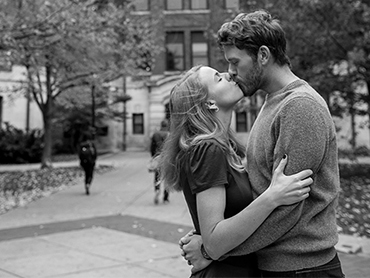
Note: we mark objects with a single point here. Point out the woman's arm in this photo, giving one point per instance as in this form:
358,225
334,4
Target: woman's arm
222,235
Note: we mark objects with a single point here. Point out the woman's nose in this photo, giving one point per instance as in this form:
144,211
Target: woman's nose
226,75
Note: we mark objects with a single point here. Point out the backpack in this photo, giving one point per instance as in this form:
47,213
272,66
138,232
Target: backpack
87,152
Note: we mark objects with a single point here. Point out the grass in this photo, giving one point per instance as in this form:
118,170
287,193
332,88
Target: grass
20,188
353,215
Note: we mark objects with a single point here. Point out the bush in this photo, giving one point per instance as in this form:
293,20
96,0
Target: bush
352,154
17,147
349,170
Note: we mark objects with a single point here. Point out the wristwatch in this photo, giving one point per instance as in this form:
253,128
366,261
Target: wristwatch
204,253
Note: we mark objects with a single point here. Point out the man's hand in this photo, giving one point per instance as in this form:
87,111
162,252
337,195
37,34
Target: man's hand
190,245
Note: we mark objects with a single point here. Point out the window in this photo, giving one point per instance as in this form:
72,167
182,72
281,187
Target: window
138,123
5,62
199,49
241,122
1,111
232,4
102,130
175,51
141,5
199,4
167,109
174,5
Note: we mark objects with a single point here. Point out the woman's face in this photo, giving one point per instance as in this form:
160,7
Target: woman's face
224,91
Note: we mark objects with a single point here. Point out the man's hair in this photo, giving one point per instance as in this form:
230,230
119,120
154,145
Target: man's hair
253,30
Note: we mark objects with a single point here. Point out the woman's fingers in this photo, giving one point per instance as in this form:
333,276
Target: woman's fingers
307,182
299,176
280,168
303,174
303,193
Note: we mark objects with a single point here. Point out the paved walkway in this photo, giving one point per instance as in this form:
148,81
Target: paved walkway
117,231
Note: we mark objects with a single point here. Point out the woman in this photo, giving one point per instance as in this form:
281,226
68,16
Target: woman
202,158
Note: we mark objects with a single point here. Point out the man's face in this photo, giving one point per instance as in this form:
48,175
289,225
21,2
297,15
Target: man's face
246,72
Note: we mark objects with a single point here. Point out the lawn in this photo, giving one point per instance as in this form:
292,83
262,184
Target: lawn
20,188
354,200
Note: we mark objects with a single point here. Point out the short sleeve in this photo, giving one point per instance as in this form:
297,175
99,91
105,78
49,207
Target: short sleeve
207,166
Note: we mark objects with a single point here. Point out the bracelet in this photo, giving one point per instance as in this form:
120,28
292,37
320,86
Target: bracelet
204,253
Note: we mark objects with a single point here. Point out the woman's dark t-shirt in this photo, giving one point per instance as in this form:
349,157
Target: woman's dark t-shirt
206,166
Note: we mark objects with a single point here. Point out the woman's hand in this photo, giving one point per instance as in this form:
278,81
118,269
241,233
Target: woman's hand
287,190
190,245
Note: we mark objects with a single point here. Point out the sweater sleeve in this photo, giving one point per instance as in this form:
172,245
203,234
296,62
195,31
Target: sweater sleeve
302,129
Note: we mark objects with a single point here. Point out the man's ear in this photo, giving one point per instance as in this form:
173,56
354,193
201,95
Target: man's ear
264,55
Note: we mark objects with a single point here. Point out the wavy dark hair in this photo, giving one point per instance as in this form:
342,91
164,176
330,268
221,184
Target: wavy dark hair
190,123
250,31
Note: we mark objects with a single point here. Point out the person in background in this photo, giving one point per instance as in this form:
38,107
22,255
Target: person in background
87,154
296,240
156,145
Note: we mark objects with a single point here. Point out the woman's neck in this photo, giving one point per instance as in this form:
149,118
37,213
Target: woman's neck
224,117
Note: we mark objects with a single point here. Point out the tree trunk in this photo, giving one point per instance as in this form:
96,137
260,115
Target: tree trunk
352,113
368,103
46,153
47,117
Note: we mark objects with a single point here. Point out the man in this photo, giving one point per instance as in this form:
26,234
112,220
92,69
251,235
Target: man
296,240
156,145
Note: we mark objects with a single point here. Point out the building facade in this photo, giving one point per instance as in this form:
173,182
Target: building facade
186,33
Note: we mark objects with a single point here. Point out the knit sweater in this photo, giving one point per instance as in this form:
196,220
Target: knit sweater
294,121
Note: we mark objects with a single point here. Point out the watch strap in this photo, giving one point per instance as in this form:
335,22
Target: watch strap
204,253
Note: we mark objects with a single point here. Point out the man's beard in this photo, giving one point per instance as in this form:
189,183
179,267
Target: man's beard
252,83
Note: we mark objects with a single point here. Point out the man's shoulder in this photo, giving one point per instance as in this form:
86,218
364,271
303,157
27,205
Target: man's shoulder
304,95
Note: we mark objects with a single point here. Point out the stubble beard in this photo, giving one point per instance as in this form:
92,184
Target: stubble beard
251,84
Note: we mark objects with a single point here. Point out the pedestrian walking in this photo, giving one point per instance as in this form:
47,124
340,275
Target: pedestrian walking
156,145
87,154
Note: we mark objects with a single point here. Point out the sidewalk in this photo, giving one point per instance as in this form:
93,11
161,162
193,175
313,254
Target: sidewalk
117,231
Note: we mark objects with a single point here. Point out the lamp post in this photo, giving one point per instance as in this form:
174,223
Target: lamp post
124,127
93,110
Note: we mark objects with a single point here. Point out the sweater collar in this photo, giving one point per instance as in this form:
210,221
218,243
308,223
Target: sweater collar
288,87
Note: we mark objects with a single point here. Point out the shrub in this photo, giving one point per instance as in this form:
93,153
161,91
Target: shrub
17,147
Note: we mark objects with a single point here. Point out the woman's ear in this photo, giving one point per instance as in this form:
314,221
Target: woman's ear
211,105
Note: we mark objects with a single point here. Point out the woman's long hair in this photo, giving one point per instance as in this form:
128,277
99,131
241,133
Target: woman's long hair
190,123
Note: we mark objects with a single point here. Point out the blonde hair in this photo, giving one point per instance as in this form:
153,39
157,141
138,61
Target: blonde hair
191,123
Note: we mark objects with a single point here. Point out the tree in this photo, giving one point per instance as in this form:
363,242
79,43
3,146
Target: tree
322,36
69,44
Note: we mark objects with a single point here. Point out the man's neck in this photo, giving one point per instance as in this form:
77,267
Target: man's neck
278,77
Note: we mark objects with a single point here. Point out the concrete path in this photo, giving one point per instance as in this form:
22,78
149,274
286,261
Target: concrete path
117,231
